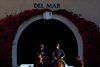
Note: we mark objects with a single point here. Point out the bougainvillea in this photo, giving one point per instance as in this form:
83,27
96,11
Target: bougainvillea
88,30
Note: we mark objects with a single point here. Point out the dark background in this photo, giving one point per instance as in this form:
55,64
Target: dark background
48,32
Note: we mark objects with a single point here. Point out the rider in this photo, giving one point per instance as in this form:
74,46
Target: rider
40,56
57,53
79,62
41,51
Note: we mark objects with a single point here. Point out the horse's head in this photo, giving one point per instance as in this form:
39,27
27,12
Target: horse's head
59,63
39,59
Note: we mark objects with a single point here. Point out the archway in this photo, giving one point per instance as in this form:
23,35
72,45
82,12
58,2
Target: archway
56,17
49,32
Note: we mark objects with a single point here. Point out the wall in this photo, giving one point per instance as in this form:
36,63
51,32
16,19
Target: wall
89,9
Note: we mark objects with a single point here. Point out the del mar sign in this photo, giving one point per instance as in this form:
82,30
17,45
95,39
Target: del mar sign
47,5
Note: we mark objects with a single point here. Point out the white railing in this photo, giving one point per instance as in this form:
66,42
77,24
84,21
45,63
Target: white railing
26,65
31,65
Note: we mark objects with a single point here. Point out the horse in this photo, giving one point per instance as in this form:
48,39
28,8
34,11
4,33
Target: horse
42,62
59,63
39,61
